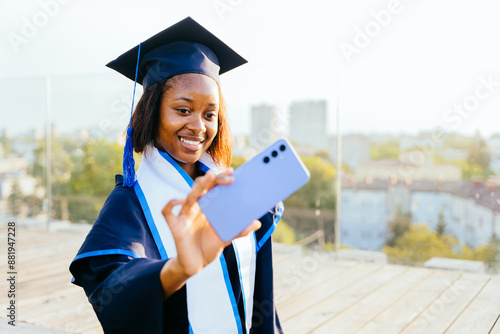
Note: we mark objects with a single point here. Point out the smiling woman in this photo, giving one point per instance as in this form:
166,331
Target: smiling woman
152,263
189,120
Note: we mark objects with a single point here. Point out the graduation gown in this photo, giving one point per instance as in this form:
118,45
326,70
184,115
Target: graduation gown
119,266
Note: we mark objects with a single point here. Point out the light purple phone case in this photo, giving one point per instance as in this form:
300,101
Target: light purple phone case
258,186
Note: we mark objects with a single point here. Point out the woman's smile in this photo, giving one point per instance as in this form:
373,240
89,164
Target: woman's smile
188,120
191,144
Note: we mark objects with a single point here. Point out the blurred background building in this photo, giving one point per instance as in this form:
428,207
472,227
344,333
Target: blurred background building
308,125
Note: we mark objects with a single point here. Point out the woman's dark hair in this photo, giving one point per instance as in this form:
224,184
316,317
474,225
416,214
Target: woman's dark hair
146,118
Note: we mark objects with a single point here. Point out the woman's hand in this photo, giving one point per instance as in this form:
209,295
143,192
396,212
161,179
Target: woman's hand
196,241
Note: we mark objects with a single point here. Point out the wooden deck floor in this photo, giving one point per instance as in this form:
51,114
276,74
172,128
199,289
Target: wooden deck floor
315,294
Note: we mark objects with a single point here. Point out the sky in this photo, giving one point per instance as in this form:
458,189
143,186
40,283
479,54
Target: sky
388,66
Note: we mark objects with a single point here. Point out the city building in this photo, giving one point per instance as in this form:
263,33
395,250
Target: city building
308,124
265,126
469,210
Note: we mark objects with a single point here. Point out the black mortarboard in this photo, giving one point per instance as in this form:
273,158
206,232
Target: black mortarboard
185,47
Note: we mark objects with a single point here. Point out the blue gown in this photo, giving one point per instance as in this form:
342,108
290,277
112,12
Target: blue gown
119,266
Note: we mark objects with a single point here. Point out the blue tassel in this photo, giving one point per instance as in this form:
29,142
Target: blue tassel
128,161
128,152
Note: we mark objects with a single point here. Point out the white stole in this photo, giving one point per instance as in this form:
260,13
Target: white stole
210,300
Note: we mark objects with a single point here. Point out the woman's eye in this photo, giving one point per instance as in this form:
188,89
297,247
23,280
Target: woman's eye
211,115
183,111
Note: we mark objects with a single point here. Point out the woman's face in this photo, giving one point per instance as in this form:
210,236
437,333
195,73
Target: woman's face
188,118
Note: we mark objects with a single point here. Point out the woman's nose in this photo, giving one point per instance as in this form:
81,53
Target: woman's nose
196,123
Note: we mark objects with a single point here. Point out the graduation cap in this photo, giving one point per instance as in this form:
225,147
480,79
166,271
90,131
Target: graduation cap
185,47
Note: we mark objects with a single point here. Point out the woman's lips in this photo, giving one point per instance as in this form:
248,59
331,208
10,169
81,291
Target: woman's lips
192,144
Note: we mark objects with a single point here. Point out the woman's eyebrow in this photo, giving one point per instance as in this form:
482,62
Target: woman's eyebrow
211,104
184,99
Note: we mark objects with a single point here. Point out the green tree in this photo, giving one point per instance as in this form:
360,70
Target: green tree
476,164
457,141
398,226
82,175
472,170
63,153
284,234
418,244
489,254
237,161
15,199
6,144
324,155
441,225
34,204
95,168
478,153
388,150
320,185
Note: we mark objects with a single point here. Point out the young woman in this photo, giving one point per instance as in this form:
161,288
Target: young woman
152,263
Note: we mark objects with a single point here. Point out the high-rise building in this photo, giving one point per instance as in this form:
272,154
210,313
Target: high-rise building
308,124
265,129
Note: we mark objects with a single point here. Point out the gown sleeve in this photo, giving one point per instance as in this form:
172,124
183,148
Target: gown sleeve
119,267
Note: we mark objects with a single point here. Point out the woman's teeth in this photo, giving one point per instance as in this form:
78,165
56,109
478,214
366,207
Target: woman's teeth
190,141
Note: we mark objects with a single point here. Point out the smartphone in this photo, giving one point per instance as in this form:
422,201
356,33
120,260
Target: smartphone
259,184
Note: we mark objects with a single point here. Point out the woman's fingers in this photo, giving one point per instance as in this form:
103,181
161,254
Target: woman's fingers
254,226
204,183
227,172
200,187
167,209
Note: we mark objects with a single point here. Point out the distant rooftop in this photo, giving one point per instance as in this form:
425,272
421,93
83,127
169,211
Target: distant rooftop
484,193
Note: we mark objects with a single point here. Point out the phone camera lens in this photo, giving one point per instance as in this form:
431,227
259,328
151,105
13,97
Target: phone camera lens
282,147
266,159
274,154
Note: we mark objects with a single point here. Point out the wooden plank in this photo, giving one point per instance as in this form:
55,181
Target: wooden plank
45,285
80,323
446,307
299,279
394,318
29,305
66,252
48,239
312,293
46,296
496,326
67,248
327,308
483,311
282,262
25,328
93,330
361,312
327,288
49,303
29,273
75,314
51,270
77,318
